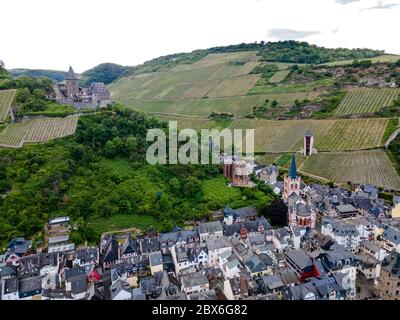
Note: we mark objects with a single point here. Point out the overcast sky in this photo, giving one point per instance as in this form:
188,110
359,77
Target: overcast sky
52,34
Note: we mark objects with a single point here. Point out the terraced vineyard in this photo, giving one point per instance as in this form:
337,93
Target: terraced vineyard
329,135
6,98
238,106
371,167
37,130
362,100
384,58
279,76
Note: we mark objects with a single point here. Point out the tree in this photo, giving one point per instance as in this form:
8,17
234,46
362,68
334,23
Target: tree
110,150
274,104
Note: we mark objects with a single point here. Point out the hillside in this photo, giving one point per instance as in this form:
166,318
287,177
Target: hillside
37,73
100,178
346,97
105,72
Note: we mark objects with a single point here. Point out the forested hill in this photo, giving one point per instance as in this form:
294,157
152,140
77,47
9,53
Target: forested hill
105,72
282,51
100,178
37,73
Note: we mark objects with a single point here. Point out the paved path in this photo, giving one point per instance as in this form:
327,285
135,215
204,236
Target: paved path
391,138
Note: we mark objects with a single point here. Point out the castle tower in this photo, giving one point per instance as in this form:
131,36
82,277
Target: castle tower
292,181
72,85
308,143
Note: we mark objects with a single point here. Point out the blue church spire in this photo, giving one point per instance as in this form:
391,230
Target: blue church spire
293,169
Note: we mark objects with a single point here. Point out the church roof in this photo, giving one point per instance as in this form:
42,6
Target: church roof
293,169
71,74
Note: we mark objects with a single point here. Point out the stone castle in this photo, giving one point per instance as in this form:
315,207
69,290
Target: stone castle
70,93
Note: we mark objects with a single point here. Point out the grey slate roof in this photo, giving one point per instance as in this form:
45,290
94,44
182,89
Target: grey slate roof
156,258
392,235
300,258
194,279
210,227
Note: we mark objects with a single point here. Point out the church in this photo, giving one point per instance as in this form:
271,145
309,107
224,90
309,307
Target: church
70,93
300,214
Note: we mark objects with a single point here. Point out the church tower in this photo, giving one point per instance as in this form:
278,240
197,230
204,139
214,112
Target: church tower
72,85
308,143
292,181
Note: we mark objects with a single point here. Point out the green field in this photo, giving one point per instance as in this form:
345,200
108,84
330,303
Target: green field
37,130
216,75
6,98
238,106
279,76
384,58
362,100
371,167
261,88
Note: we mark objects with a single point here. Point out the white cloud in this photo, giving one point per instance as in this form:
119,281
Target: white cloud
346,1
382,5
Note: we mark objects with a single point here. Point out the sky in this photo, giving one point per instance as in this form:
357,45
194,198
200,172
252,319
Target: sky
54,34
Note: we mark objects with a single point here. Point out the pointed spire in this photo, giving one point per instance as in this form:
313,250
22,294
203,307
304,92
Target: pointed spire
71,74
293,169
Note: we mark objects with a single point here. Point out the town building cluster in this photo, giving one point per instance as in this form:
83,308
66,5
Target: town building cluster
337,245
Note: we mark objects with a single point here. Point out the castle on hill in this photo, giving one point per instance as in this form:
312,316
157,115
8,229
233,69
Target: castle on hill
70,93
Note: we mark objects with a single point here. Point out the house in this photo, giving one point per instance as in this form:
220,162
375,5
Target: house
344,234
387,285
156,262
85,256
323,288
7,272
49,263
210,230
237,171
178,236
239,215
76,282
339,261
229,265
57,235
149,244
259,265
269,174
17,248
248,228
346,211
272,284
109,251
390,239
194,283
152,286
216,247
395,209
9,289
372,249
299,262
289,278
369,267
120,290
30,288
236,288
